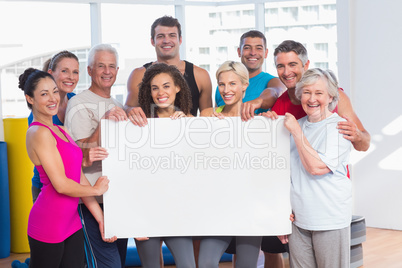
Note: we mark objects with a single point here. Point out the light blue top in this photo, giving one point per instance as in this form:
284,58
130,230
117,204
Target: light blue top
257,85
322,202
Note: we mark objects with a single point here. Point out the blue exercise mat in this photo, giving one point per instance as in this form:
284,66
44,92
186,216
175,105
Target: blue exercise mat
4,204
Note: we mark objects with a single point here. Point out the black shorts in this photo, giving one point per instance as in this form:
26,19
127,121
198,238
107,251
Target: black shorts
272,244
232,246
269,244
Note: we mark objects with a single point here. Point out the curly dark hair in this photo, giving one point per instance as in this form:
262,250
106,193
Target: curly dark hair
183,97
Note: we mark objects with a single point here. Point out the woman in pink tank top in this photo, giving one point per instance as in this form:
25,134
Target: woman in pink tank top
54,228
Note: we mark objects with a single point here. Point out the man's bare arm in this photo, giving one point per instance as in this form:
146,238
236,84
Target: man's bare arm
265,101
135,113
352,129
274,90
133,83
205,86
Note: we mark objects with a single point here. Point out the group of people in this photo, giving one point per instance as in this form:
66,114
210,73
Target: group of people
63,142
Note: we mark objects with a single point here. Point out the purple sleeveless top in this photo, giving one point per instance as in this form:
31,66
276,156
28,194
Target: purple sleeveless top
54,217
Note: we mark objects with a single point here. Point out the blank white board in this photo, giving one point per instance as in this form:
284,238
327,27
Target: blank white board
197,177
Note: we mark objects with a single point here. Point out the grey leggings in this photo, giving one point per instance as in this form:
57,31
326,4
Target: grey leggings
212,249
180,247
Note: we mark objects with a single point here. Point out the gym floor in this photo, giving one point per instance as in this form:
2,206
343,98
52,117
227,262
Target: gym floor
383,248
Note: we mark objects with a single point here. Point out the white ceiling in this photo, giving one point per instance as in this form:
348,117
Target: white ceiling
160,2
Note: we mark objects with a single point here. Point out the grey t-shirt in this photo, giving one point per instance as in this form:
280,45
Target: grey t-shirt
83,115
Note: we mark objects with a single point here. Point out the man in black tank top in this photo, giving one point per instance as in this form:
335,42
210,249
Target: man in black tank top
166,38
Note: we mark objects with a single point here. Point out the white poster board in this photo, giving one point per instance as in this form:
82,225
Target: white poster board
196,177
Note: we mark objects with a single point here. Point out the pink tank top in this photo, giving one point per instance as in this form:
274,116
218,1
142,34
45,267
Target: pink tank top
54,217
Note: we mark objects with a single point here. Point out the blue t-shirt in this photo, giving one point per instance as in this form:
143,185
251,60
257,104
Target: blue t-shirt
36,179
257,85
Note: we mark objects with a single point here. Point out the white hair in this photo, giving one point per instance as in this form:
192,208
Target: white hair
101,47
311,76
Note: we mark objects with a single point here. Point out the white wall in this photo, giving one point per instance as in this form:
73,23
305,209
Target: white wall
370,66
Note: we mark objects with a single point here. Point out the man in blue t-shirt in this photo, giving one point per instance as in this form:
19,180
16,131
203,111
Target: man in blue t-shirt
252,52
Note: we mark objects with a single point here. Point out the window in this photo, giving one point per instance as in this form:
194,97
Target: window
271,16
290,13
222,50
248,12
207,44
125,27
233,14
328,12
321,65
321,50
329,8
205,66
309,13
37,40
204,50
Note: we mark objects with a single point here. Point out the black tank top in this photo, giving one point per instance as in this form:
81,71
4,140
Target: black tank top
190,79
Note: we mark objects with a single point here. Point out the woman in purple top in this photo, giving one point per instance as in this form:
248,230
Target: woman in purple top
54,228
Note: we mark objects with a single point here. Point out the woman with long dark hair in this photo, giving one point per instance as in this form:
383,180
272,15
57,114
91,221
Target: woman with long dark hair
54,228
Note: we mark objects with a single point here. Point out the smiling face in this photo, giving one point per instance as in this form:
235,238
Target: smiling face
231,88
315,100
66,74
45,98
103,72
164,90
290,68
252,54
166,42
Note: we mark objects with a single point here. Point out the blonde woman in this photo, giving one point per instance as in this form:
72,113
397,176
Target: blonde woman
233,80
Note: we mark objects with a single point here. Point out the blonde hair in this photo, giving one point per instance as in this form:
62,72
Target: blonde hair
237,67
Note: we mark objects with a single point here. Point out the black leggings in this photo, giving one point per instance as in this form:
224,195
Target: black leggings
66,254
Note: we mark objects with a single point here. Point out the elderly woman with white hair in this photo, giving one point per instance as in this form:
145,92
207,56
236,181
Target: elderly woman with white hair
321,192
